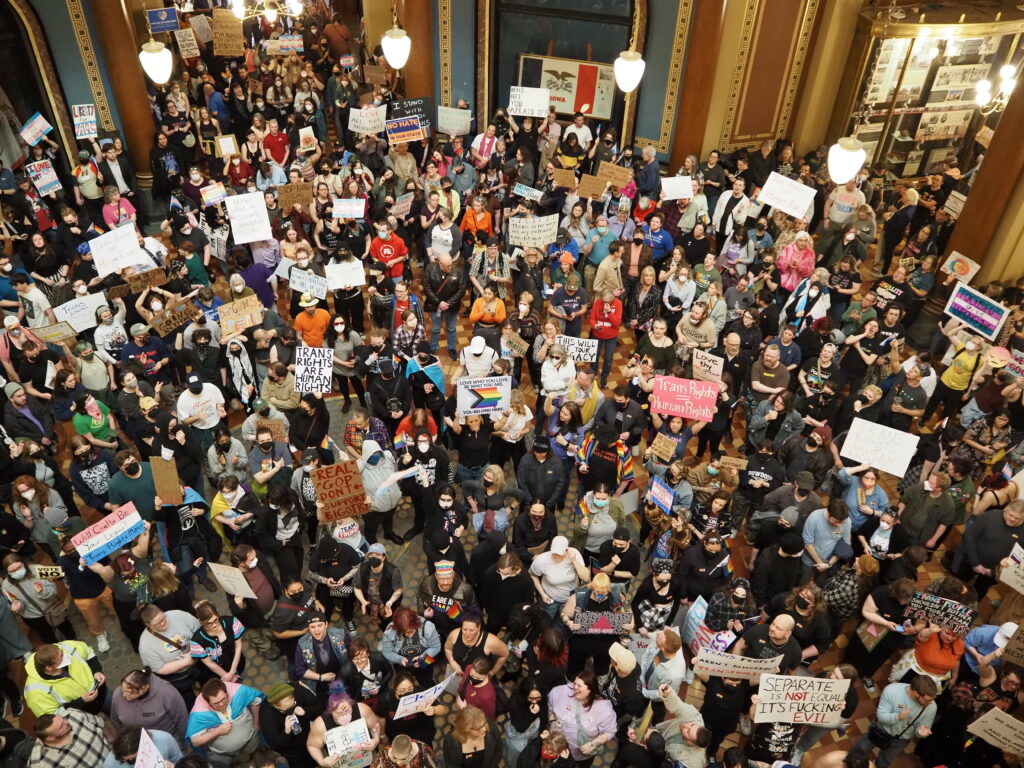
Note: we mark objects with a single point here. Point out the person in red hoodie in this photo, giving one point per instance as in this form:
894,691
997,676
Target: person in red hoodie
605,319
389,249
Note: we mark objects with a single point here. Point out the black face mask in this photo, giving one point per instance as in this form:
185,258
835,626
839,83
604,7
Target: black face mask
802,603
130,468
265,412
267,447
223,447
375,562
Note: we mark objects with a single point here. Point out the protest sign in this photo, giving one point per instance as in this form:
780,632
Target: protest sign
201,26
285,44
517,344
228,38
787,195
84,118
618,175
696,634
402,130
534,102
80,313
43,176
537,231
367,119
524,190
661,493
454,122
307,140
976,310
290,195
213,193
241,314
664,447
1003,731
483,396
339,487
887,449
579,350
419,108
417,702
225,146
109,534
275,427
166,480
799,699
348,208
49,572
1013,651
148,756
721,664
375,74
249,219
1013,574
590,186
115,250
677,187
188,47
565,178
955,203
232,580
151,278
174,316
345,274
255,87
307,281
961,267
33,130
313,367
350,745
403,205
162,20
602,622
684,397
707,367
729,461
950,614
54,334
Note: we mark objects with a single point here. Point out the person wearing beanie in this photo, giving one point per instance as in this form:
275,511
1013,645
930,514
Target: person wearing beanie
27,417
777,569
812,454
540,475
285,721
444,595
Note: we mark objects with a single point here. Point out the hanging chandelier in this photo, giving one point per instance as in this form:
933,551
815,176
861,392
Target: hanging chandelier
270,10
987,102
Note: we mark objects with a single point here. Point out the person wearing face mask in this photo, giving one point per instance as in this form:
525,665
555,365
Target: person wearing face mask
600,596
376,466
597,518
378,588
134,482
704,568
389,249
239,173
235,507
954,384
35,599
290,619
150,351
269,461
390,395
254,613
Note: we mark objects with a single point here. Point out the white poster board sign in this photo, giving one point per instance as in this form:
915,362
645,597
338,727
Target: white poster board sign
148,755
526,191
480,397
367,119
313,366
345,274
187,45
250,222
454,122
706,366
231,580
787,195
714,663
116,249
350,744
307,281
1013,574
801,700
348,208
201,26
1000,730
84,118
887,449
536,231
677,187
534,102
961,267
80,313
418,701
579,350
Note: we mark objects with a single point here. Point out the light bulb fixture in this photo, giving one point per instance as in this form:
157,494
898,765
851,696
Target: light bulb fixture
845,158
990,101
629,70
270,10
396,45
239,10
156,61
295,7
270,14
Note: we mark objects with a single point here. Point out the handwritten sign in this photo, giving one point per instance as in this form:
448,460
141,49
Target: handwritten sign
148,756
733,462
721,664
403,205
677,187
340,488
579,350
348,208
109,534
955,203
367,119
590,186
402,130
201,26
454,122
84,118
536,231
660,492
787,195
528,192
565,178
290,195
275,427
517,344
313,366
44,177
618,175
798,699
249,219
188,47
33,130
213,193
534,102
961,267
232,580
706,366
480,397
166,480
115,250
1013,574
977,311
685,397
307,139
174,316
225,146
1013,652
228,38
345,274
54,334
140,281
602,622
696,633
418,107
890,450
375,74
350,744
241,314
1003,731
664,447
417,702
950,614
307,281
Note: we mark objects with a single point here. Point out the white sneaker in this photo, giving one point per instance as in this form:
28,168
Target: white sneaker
689,676
745,725
102,644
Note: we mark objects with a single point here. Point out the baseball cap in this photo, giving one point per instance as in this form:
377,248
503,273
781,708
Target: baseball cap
805,480
1006,631
825,433
309,455
624,660
476,346
377,549
83,155
194,383
542,444
139,329
559,545
10,321
259,404
147,404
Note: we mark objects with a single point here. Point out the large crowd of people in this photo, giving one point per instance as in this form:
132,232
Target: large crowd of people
535,522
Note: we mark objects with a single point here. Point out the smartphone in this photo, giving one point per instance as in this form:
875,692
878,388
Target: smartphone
900,628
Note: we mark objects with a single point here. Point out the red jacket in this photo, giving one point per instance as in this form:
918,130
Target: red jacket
605,319
389,252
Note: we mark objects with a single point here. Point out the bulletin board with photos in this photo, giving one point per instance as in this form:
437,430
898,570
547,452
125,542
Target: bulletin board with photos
913,103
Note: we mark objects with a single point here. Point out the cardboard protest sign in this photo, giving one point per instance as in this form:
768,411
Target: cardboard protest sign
950,614
116,249
275,427
188,47
33,130
721,664
590,186
226,146
1013,574
109,534
148,755
706,366
84,118
348,208
49,572
798,699
977,311
368,119
241,314
375,74
534,102
174,316
166,480
54,334
1013,652
415,703
290,195
961,267
403,205
517,344
255,87
601,622
249,219
402,130
151,278
44,177
232,580
454,122
618,175
345,274
696,634
890,450
565,178
479,397
339,487
228,38
201,26
313,366
537,231
1000,730
664,447
677,187
213,193
787,195
955,203
578,350
661,493
730,461
685,397
528,192
307,281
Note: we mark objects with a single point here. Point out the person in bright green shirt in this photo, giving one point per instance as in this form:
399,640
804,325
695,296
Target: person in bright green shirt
193,261
705,274
93,421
